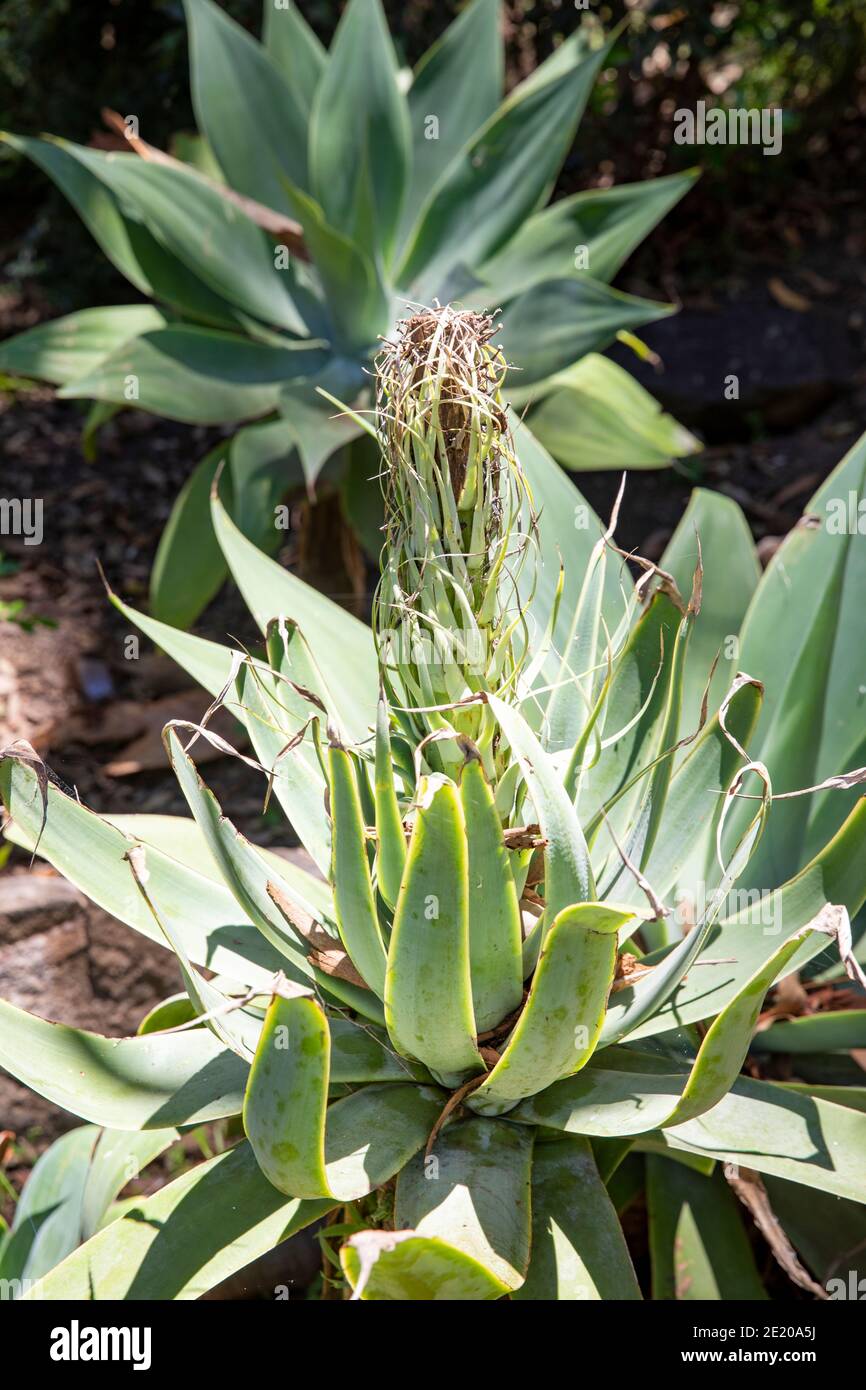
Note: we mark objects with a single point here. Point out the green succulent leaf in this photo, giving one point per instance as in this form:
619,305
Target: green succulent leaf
830,1032
127,242
401,1267
70,1188
428,993
494,915
294,49
474,1192
342,642
254,119
716,524
801,637
90,853
559,1027
567,872
186,1238
354,900
66,348
594,231
550,325
359,128
260,464
698,1247
287,1095
189,569
207,232
458,83
390,835
505,171
578,1249
196,375
747,935
594,415
153,1082
758,1124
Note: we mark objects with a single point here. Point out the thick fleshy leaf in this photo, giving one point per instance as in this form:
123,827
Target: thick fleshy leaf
568,529
315,424
67,348
742,940
354,901
294,49
118,1156
244,871
186,1238
559,1027
261,466
428,992
359,128
594,415
404,1267
502,175
149,1082
359,304
127,242
47,1221
372,1134
253,118
196,375
698,1246
92,855
342,644
713,1072
275,717
390,835
474,1192
548,327
70,1189
634,709
494,915
189,566
189,569
594,231
828,1032
456,87
287,1095
181,838
208,233
731,573
578,1248
760,1125
684,852
801,636
567,872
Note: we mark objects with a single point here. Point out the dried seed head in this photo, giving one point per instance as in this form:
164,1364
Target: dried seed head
458,514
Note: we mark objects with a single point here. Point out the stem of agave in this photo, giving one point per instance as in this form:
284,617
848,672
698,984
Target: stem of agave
459,524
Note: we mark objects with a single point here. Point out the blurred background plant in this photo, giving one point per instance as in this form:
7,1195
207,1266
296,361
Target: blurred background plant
61,62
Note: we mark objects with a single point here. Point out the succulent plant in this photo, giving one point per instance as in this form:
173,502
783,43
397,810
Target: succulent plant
537,951
323,193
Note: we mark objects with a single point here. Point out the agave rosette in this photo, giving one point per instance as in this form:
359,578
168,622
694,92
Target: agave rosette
487,1001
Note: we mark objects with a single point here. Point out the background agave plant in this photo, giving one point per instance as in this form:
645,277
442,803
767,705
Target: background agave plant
373,1024
324,192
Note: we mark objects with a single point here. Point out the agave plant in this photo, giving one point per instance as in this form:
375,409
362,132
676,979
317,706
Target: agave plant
551,901
325,193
